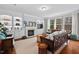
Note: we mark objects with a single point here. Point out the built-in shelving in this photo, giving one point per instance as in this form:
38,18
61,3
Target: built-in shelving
17,23
52,24
59,23
6,20
68,24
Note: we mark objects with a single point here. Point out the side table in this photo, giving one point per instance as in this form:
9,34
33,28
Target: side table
42,48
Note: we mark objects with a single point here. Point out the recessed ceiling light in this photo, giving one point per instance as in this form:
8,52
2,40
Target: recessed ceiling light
43,8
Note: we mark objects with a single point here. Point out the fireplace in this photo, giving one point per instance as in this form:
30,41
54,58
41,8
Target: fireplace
30,32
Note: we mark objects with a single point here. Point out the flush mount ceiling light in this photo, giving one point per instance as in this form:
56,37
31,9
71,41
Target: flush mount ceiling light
14,4
43,8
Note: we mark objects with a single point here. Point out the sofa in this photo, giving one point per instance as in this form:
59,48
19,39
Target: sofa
55,42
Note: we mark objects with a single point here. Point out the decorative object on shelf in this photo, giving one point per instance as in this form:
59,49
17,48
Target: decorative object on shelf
24,37
17,19
6,23
18,28
34,24
15,28
21,28
30,24
11,28
25,23
6,17
17,24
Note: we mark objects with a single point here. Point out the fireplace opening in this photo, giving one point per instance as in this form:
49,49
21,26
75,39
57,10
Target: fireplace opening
30,32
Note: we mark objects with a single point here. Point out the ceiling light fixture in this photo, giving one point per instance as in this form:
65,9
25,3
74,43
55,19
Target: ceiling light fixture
14,4
43,8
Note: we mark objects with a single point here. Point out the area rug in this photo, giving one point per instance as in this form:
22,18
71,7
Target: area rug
27,46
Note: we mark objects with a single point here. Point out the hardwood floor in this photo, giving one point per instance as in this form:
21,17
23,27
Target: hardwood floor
71,48
13,51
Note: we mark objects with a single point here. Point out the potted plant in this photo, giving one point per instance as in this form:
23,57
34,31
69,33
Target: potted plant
3,30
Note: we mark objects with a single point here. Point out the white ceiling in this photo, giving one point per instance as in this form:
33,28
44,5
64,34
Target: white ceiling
34,9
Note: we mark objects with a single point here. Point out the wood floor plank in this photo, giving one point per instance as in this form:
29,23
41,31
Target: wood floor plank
71,48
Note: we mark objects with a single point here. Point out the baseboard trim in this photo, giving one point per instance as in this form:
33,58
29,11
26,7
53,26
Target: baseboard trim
18,39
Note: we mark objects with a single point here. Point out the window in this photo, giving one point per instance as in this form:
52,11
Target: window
68,24
59,24
51,24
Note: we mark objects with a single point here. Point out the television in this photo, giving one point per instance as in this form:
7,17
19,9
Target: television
39,26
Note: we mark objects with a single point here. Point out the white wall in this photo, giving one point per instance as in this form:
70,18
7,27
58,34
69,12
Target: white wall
74,23
7,12
35,19
45,25
20,33
48,22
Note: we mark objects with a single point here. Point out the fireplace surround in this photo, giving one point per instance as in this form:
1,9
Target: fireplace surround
30,32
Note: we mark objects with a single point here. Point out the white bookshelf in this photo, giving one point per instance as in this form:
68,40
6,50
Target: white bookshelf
17,23
68,24
7,21
52,24
59,22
